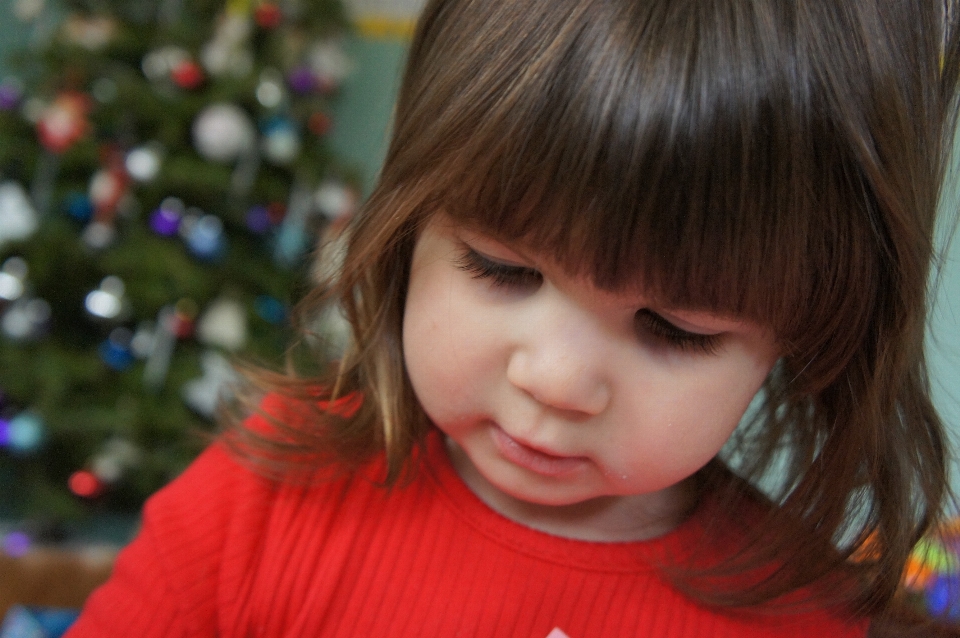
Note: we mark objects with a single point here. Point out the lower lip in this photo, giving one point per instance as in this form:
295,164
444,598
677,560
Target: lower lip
534,460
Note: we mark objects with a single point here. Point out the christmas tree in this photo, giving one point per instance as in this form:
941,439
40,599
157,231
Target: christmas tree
164,174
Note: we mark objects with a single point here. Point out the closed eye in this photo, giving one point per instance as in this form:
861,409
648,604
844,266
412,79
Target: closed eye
498,273
653,324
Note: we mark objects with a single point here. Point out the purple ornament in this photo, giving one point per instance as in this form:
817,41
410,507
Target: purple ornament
16,544
5,432
302,80
165,221
258,219
10,95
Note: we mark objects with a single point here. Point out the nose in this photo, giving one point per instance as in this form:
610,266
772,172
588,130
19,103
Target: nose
560,363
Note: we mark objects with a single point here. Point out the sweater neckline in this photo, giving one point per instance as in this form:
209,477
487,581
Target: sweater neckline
619,556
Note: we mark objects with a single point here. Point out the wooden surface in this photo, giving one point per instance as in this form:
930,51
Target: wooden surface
52,577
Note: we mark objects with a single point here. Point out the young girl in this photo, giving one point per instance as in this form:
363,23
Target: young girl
602,227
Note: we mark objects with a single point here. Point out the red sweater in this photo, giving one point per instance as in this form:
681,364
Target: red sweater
224,552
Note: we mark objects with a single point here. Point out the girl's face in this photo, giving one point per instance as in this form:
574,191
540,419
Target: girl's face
555,394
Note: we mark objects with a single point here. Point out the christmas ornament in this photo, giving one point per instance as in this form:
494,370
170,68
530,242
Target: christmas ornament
108,302
25,433
105,90
203,395
293,237
187,75
116,351
85,484
319,123
157,65
268,15
271,92
64,121
18,218
165,220
143,163
162,343
330,64
302,80
334,199
143,340
223,324
270,309
223,132
28,10
228,52
184,318
258,219
26,319
13,279
16,544
204,237
115,458
78,206
281,140
98,235
11,92
89,32
108,186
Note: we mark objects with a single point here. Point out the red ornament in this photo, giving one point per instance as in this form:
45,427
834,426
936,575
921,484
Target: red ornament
108,185
319,123
184,318
268,15
187,75
85,484
64,121
276,211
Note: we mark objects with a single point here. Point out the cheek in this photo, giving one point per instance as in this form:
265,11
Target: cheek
442,351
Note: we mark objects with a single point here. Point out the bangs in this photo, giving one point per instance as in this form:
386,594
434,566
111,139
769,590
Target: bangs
692,147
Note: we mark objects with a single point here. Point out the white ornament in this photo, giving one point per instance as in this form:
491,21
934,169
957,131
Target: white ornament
26,319
335,200
228,52
223,132
28,10
223,324
143,163
329,62
281,142
108,301
158,64
203,395
18,219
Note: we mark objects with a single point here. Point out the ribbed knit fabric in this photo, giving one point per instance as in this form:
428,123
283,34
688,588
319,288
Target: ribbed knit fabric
223,552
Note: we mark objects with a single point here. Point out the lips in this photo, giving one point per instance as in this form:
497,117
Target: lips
535,460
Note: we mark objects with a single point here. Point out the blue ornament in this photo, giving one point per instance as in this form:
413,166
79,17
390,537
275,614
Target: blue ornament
270,309
205,238
22,434
116,351
79,206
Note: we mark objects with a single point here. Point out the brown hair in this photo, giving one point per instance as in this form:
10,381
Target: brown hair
778,160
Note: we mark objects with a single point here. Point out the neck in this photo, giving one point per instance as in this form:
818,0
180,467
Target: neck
615,518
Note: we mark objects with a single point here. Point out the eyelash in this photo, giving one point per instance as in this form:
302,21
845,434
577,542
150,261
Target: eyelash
497,273
677,337
507,276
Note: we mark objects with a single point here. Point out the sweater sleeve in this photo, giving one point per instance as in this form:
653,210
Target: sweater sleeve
167,582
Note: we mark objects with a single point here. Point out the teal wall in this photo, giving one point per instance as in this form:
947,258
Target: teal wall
365,104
